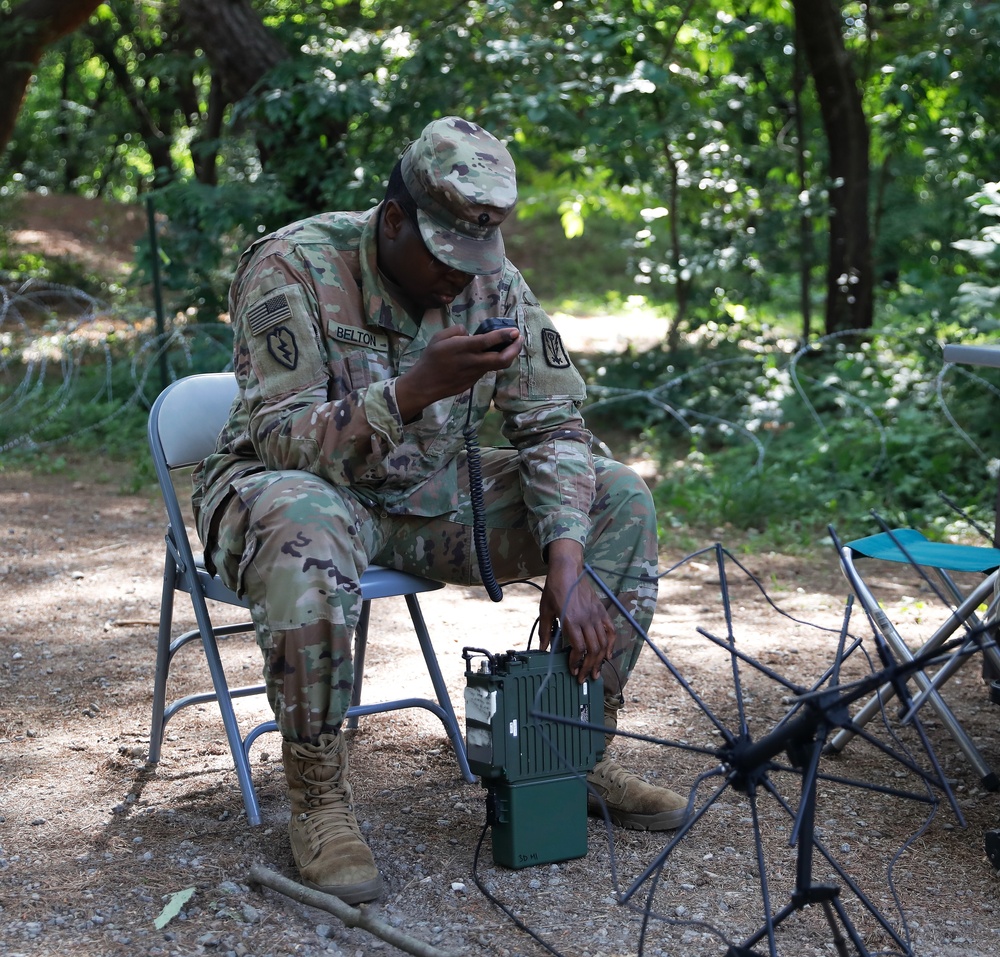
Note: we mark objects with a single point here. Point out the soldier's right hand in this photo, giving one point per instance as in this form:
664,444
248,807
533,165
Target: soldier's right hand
451,364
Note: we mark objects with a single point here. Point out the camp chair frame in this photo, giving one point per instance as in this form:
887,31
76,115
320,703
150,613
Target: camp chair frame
940,559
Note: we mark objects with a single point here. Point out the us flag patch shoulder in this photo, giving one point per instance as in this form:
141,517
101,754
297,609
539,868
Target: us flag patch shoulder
268,312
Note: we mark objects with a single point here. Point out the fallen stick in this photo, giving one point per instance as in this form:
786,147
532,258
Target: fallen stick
349,916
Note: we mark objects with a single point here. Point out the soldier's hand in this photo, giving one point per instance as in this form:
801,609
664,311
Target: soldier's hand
451,364
569,600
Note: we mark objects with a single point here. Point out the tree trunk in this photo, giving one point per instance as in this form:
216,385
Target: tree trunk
25,32
63,137
849,303
238,45
805,212
241,51
157,135
683,288
205,145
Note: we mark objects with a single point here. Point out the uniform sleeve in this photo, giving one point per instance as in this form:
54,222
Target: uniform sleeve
539,397
304,412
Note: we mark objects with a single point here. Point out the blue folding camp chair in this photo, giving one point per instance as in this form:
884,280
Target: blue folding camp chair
940,560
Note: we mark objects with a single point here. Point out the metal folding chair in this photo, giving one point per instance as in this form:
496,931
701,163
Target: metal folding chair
941,560
184,425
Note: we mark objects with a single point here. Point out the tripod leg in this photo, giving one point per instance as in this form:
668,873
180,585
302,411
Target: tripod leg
992,842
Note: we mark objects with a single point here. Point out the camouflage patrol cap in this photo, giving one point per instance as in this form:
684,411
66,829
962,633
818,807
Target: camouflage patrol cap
453,170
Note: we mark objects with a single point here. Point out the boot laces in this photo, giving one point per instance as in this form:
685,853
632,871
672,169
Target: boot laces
329,811
611,774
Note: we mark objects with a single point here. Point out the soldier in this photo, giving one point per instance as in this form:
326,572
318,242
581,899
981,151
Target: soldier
357,375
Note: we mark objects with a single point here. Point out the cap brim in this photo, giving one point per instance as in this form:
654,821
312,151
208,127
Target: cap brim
478,257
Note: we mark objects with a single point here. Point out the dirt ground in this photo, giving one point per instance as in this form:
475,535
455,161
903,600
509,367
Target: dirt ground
95,842
99,236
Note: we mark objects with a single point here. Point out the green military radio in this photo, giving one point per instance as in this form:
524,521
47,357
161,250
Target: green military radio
528,738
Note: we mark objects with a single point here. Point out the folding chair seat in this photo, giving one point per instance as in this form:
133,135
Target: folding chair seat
941,560
184,424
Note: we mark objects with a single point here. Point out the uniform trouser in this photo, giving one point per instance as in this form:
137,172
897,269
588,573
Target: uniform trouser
296,547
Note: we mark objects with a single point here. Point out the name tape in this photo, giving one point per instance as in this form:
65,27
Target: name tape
360,337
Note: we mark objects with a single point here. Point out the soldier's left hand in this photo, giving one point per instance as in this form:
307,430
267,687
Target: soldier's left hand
569,602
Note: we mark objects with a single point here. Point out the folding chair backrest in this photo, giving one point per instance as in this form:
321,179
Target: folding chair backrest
187,417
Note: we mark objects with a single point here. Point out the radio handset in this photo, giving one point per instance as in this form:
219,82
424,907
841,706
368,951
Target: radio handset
474,465
491,325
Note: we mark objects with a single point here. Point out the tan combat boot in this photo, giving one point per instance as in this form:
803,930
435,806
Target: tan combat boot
630,801
326,841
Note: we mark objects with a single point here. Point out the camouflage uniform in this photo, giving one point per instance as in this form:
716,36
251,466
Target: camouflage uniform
316,475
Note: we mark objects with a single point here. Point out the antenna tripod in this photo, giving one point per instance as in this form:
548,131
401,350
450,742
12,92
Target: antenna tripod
804,739
746,766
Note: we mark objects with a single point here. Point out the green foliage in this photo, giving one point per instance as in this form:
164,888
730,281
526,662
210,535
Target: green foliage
206,230
578,273
19,266
102,114
780,443
977,297
306,106
693,127
90,408
680,149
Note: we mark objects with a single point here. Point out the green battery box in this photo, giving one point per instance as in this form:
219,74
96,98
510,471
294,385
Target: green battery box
531,759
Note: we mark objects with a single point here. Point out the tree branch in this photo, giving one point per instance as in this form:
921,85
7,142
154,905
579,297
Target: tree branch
25,33
349,916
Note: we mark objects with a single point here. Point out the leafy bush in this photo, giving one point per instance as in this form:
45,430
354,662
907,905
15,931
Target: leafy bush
84,403
752,434
206,230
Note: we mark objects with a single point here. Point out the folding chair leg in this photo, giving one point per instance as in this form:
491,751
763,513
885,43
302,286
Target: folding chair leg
952,665
440,688
162,659
360,648
240,760
225,702
442,708
902,652
224,696
988,777
991,653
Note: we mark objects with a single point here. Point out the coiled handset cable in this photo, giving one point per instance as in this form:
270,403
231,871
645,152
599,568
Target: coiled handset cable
474,465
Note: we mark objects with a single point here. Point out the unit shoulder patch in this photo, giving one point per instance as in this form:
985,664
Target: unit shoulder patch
283,347
553,350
